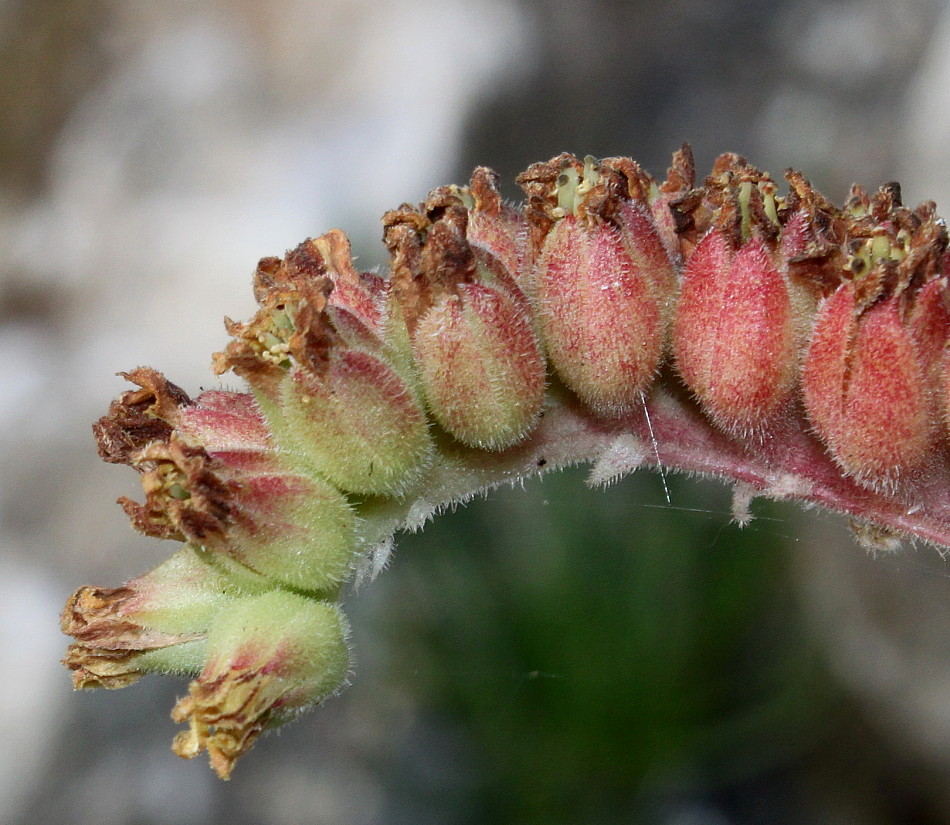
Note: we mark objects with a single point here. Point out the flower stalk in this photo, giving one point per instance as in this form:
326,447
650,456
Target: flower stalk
787,346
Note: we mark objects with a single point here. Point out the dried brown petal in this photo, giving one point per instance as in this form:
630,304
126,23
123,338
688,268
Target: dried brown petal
139,417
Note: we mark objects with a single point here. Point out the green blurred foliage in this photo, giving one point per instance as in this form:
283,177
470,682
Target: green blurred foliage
604,650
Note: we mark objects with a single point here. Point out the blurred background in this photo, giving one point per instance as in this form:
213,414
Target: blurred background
549,655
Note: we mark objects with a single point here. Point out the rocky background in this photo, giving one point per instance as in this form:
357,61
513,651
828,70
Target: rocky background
554,654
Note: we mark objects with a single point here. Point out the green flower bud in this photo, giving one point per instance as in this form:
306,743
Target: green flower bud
269,657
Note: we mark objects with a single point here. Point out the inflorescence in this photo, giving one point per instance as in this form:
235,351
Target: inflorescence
789,346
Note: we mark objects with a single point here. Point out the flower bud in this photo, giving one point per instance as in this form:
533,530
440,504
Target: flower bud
601,327
600,299
154,623
224,422
929,325
269,656
214,479
943,389
864,390
733,336
480,367
755,265
336,392
357,422
630,198
874,358
473,342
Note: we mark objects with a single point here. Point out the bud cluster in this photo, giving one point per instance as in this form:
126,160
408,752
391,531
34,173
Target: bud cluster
794,347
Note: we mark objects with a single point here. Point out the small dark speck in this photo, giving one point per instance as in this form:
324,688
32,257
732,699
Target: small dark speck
542,462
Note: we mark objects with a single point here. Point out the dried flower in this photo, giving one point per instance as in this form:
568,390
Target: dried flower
328,382
269,657
154,623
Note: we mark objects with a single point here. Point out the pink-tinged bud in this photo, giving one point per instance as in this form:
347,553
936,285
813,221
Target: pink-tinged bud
154,623
929,325
878,341
473,341
334,388
480,366
214,479
865,391
600,321
631,200
358,423
223,422
269,657
944,389
733,337
601,300
649,252
827,362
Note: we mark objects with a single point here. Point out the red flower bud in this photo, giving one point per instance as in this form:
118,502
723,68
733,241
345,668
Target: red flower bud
865,390
600,321
603,281
733,336
480,366
929,325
